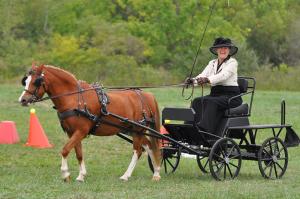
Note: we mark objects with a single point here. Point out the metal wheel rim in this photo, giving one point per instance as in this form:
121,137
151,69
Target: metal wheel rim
225,159
273,158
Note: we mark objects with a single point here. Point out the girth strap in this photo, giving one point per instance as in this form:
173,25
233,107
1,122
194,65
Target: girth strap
66,114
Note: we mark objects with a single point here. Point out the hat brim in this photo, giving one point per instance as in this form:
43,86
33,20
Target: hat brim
233,49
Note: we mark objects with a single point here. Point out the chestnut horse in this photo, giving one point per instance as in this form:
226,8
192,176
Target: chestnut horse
69,94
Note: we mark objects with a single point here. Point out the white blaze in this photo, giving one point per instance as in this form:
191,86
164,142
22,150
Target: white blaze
28,80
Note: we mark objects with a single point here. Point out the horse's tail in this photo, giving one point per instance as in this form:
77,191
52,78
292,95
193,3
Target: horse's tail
156,126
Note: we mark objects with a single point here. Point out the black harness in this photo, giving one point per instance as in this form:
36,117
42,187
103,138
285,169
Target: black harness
101,119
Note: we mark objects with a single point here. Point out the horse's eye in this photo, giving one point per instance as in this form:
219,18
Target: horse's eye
24,80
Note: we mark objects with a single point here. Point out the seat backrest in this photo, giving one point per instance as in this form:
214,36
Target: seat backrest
243,85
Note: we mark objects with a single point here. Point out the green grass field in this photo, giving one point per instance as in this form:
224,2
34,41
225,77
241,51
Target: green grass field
35,173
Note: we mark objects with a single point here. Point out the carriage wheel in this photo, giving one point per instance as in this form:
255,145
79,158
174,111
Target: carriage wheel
225,159
272,158
170,159
203,163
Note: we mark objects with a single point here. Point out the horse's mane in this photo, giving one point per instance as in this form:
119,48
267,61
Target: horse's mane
68,73
61,70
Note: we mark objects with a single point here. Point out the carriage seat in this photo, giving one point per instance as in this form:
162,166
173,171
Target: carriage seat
243,109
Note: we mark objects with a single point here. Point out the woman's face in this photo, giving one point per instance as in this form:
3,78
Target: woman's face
223,52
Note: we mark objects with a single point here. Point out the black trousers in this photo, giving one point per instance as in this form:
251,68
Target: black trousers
211,108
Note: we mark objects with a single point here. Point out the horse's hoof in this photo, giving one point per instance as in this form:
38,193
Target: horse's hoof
80,178
155,178
124,178
67,179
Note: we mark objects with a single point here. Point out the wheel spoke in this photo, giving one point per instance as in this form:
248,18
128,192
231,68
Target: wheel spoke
265,150
170,163
231,150
219,168
165,164
226,148
279,166
221,150
270,173
225,172
233,157
268,165
233,165
280,150
206,163
219,156
218,163
229,171
272,147
275,170
285,158
267,159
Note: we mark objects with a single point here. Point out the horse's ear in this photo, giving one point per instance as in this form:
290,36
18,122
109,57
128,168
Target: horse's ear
33,66
40,68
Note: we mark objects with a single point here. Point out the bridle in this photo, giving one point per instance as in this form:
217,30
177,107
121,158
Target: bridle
38,83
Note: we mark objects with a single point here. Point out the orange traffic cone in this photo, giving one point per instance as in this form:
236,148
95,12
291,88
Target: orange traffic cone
8,133
37,137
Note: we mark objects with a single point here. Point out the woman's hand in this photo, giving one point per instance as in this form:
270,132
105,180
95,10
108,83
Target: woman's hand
202,80
189,81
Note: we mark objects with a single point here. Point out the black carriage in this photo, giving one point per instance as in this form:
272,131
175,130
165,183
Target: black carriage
221,153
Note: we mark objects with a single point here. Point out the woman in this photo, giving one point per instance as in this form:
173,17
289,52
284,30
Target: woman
221,74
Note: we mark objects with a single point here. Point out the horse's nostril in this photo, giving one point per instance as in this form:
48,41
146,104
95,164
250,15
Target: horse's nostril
24,102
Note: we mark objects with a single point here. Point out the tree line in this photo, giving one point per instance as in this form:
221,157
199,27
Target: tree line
144,42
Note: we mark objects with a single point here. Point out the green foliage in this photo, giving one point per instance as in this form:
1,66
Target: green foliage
280,78
87,37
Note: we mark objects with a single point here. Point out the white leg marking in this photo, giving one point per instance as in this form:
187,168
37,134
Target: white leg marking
82,172
156,168
131,166
64,168
28,80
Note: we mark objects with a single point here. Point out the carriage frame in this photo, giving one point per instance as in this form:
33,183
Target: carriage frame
221,153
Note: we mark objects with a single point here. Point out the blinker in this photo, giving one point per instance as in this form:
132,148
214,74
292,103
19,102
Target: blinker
23,81
38,81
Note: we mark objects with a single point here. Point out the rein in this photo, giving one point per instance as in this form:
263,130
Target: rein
35,99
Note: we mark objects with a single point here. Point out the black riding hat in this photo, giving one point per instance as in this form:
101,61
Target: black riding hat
223,42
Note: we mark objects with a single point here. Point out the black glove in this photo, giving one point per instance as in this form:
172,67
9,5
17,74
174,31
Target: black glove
189,81
202,80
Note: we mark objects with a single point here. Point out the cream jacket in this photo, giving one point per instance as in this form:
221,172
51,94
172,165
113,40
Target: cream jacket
225,76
